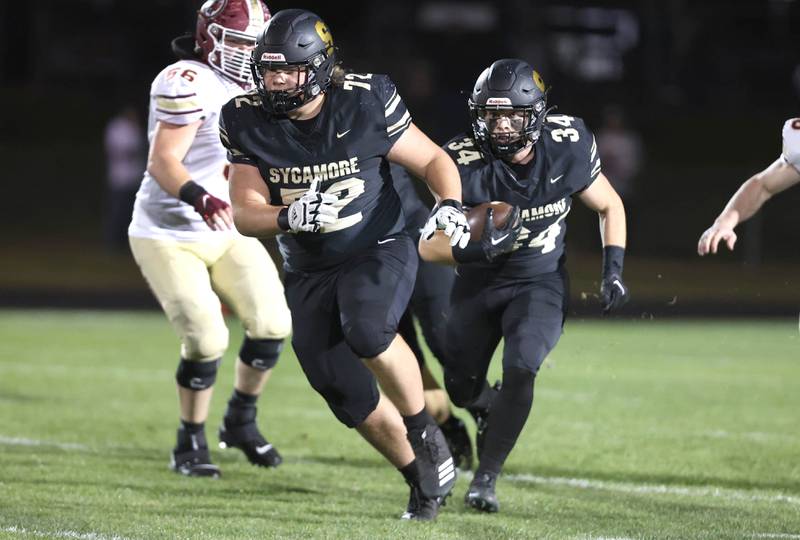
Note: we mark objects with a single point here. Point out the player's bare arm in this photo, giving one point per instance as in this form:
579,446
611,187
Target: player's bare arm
252,213
170,144
417,153
437,249
747,200
425,160
602,198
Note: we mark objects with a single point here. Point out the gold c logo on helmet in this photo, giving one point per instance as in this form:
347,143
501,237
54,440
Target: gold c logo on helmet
537,79
325,35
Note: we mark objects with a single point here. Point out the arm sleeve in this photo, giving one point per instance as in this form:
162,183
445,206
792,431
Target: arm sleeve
178,97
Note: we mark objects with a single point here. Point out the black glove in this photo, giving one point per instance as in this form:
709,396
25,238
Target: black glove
613,292
494,242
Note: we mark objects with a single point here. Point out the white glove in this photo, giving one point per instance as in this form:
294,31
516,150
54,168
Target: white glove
313,210
450,218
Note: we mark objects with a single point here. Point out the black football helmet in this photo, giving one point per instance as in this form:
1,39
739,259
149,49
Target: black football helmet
510,89
294,38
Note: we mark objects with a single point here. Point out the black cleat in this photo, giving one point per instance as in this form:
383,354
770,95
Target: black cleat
481,417
481,495
437,473
455,432
248,439
191,457
421,508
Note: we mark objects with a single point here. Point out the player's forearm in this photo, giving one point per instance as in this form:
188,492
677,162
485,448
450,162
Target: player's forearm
437,249
257,220
169,172
613,230
442,178
747,200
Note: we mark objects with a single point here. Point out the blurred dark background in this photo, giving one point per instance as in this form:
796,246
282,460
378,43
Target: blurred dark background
687,100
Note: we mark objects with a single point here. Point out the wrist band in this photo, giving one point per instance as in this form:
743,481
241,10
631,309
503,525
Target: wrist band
283,219
190,191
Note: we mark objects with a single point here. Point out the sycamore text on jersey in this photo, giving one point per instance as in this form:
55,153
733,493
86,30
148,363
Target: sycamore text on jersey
540,212
323,171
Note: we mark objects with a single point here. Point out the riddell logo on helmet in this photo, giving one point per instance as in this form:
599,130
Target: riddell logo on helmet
498,101
273,57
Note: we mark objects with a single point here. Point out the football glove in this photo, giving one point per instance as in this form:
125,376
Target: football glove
313,210
496,241
613,292
214,211
448,217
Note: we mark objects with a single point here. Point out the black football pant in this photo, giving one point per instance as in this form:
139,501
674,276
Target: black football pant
430,304
346,313
529,316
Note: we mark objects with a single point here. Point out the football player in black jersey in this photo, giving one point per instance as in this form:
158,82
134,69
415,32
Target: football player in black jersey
310,153
430,305
512,284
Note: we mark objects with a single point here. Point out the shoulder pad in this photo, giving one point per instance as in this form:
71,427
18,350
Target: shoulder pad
178,93
464,150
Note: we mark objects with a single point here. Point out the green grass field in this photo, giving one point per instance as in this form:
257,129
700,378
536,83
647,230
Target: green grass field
640,429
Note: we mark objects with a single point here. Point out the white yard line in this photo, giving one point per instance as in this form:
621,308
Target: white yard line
19,441
60,534
654,489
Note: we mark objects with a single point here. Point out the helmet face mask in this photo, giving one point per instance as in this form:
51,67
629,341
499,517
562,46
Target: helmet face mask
226,35
507,106
295,39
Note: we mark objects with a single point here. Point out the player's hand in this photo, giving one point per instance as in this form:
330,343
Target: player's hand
215,212
613,293
497,241
710,239
313,210
450,218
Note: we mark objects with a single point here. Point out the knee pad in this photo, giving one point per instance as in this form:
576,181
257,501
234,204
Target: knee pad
197,375
367,338
260,354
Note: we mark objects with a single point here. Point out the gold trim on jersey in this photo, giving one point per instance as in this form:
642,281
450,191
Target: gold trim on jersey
178,104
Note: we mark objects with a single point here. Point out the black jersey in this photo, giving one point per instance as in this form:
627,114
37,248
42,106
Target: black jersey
565,163
357,126
414,208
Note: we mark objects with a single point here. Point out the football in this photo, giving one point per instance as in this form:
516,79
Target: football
476,217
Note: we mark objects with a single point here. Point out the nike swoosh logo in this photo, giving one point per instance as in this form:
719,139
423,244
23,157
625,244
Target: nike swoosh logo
618,284
496,241
386,241
556,179
263,449
340,135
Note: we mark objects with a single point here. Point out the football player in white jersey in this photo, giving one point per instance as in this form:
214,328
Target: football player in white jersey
782,174
183,239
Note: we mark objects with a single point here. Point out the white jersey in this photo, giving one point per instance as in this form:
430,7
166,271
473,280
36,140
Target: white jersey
791,142
182,93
